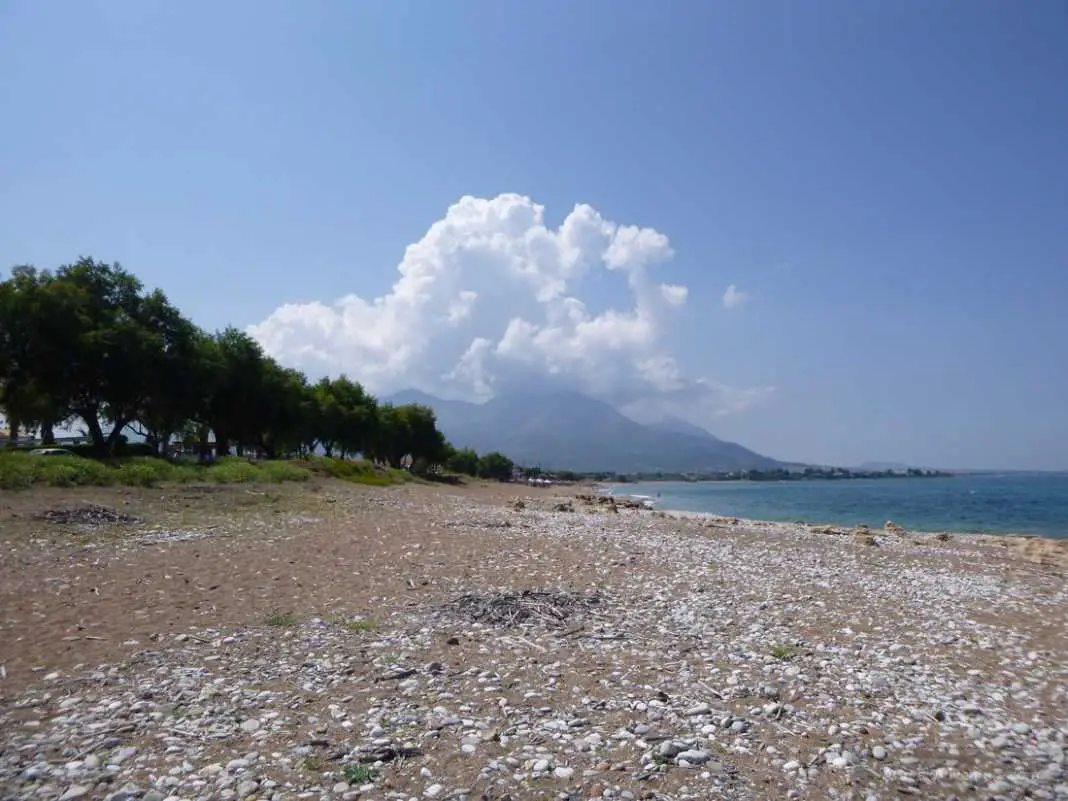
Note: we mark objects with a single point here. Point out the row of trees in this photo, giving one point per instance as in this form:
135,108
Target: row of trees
87,345
491,465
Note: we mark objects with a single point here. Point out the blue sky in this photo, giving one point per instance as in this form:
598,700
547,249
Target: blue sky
885,184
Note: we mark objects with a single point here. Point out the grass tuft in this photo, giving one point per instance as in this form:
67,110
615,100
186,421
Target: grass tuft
359,774
281,619
783,653
358,626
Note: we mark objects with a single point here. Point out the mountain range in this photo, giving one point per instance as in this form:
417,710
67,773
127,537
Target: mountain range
571,431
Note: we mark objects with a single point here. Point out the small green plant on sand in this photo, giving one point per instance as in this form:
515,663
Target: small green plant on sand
314,764
783,653
359,774
359,626
281,619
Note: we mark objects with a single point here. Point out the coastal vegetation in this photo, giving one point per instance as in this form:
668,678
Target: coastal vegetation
20,469
155,398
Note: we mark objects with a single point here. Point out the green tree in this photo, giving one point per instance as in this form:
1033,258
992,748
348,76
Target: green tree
284,411
116,340
463,461
234,391
35,323
495,466
346,415
425,441
178,376
88,341
409,430
389,435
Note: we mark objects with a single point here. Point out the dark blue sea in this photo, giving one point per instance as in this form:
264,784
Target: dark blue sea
1020,503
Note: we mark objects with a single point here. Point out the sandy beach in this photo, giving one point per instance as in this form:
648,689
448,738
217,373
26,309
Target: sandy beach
332,641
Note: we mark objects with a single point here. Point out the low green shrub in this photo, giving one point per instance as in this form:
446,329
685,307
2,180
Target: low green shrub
358,471
19,470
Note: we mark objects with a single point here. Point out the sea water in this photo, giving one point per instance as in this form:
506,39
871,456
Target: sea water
990,503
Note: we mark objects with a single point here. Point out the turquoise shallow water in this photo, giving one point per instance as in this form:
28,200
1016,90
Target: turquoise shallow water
1023,503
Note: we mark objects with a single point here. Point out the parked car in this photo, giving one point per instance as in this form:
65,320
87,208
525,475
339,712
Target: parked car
51,452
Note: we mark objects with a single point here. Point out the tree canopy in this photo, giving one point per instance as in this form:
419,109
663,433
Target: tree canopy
496,466
87,345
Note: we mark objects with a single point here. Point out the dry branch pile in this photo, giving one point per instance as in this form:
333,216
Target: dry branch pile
90,514
505,609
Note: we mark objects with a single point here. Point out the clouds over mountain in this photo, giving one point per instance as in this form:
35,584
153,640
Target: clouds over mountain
490,298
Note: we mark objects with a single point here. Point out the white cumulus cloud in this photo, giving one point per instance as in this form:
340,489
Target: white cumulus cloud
733,297
490,298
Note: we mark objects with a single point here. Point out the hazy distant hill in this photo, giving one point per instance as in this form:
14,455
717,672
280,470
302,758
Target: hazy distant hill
570,431
676,425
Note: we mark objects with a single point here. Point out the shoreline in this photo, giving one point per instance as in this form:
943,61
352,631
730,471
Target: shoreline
1037,548
618,490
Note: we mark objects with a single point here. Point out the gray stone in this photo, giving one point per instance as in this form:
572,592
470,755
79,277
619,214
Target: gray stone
247,788
669,750
122,755
128,792
73,792
694,756
878,752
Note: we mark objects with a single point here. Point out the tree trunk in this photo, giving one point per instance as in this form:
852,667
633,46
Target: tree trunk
203,447
91,417
48,435
115,435
13,432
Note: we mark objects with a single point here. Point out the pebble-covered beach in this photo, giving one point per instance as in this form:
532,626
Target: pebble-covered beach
340,642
